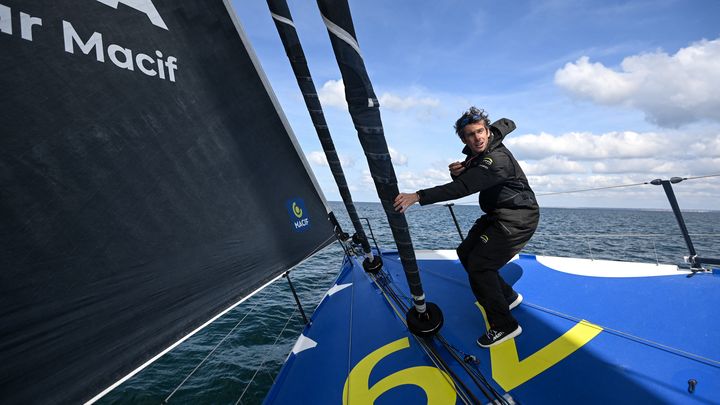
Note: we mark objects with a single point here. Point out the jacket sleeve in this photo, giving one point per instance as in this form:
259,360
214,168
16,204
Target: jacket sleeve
478,178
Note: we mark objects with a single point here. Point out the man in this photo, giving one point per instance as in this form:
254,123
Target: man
511,216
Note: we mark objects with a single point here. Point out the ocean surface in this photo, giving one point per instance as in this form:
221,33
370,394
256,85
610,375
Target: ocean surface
253,340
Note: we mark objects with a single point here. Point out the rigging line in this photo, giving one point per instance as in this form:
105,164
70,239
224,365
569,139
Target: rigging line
466,396
393,302
352,302
435,358
622,185
702,177
592,189
480,381
213,350
638,339
266,356
475,375
385,287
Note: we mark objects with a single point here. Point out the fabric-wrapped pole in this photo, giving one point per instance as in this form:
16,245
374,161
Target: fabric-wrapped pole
291,42
365,112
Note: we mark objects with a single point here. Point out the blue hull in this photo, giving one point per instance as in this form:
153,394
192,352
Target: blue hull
593,332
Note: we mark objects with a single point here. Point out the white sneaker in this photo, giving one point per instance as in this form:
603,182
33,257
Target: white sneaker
495,337
517,301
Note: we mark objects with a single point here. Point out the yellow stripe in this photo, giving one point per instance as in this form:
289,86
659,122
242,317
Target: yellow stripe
510,372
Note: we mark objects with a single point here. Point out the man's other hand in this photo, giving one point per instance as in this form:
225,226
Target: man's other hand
456,168
404,200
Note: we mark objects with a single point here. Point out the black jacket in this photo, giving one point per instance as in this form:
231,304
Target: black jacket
504,190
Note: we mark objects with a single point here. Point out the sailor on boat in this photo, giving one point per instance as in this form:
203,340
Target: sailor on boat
511,216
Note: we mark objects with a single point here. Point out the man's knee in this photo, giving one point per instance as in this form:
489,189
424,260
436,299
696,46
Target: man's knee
481,265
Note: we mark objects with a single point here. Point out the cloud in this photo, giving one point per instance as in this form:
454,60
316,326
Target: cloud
588,146
651,154
318,157
706,148
654,166
670,89
411,181
552,165
332,94
398,159
397,103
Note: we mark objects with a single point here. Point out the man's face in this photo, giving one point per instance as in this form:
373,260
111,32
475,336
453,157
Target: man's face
476,137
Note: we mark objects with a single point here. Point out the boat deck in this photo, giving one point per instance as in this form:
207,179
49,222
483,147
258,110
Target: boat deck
593,331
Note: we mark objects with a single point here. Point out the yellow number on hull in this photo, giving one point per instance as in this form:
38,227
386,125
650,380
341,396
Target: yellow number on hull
437,385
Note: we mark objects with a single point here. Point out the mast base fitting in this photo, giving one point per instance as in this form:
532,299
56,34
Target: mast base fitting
426,324
373,266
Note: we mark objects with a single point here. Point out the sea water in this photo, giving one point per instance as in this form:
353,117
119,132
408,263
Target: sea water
253,340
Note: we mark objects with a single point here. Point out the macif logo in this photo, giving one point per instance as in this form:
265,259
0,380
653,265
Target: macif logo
298,215
144,6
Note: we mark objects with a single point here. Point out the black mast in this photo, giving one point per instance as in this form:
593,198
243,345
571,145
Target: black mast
288,34
424,318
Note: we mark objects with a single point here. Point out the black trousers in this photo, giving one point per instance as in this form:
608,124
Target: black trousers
489,245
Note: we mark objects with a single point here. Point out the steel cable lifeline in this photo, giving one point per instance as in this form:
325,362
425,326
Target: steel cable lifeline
288,34
622,185
424,318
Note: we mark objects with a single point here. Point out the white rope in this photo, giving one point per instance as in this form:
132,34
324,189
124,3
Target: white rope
266,356
342,34
283,19
211,352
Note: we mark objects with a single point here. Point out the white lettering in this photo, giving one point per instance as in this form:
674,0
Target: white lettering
127,63
5,20
161,70
301,223
124,58
139,59
26,25
171,67
95,41
144,6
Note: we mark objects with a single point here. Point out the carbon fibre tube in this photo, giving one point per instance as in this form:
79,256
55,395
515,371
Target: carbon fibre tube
365,112
291,42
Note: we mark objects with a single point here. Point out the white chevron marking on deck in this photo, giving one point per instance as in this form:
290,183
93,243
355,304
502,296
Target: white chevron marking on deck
336,288
303,343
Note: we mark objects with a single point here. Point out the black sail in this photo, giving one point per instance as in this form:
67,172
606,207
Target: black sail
148,181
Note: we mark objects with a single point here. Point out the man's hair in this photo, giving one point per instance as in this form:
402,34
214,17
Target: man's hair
471,116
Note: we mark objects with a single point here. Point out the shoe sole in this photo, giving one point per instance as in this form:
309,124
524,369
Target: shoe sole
511,335
517,301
